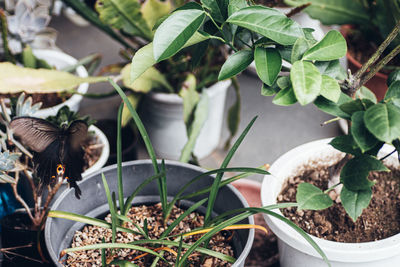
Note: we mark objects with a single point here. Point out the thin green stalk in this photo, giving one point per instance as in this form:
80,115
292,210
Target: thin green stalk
331,188
234,113
86,60
114,219
119,161
217,181
4,36
222,32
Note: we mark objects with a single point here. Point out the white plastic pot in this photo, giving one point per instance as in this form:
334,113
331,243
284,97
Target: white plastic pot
61,60
294,251
163,118
105,152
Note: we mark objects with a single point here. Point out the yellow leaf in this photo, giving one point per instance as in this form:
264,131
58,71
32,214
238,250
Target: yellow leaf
153,10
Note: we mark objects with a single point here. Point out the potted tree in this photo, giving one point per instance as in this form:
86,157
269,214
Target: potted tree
314,77
365,26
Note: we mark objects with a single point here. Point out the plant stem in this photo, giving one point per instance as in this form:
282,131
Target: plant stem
19,198
4,33
297,10
222,33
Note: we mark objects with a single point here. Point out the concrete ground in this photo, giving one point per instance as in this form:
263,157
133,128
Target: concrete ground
277,129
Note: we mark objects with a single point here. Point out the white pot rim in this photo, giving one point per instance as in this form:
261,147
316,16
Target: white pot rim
335,251
81,72
176,99
105,152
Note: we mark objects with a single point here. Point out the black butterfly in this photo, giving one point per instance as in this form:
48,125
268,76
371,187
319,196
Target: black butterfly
58,151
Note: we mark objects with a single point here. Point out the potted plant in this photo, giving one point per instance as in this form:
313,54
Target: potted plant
314,77
24,164
192,195
170,92
366,25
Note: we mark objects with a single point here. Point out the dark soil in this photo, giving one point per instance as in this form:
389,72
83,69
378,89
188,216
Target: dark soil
380,220
153,214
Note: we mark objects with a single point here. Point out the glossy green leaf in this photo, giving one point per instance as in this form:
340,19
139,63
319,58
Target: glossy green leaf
285,97
218,9
15,79
330,88
299,48
382,120
354,174
346,144
149,80
362,136
331,68
332,46
268,22
365,93
175,31
153,10
268,64
393,76
354,202
200,116
393,93
267,90
356,105
144,57
235,64
332,108
306,80
125,15
283,82
235,5
310,197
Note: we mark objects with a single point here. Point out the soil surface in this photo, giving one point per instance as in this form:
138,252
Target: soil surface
380,220
93,149
153,214
48,100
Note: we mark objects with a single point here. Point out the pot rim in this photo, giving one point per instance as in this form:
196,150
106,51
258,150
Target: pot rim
335,251
246,248
81,72
171,98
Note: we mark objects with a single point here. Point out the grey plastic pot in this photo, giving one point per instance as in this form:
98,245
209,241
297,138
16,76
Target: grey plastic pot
93,202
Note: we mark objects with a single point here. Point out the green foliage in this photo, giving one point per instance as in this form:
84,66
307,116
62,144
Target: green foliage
235,64
65,115
355,201
311,197
268,64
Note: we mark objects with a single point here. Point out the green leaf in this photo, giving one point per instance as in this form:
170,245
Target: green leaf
332,46
153,10
175,31
299,48
365,140
393,93
346,144
218,9
190,98
269,90
111,206
200,116
330,88
306,80
15,79
332,108
149,80
332,69
144,57
125,15
354,174
268,64
28,58
365,93
356,105
393,77
134,99
235,64
310,197
268,22
382,120
354,202
285,97
236,5
283,82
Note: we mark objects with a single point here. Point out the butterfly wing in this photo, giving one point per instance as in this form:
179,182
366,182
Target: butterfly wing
36,133
77,133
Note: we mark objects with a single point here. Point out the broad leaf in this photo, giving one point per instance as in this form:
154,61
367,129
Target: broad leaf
393,93
175,31
393,76
330,88
365,140
332,46
299,48
285,97
267,90
268,22
144,57
356,105
354,174
332,69
218,9
310,197
283,82
382,120
268,64
235,5
149,80
354,202
153,10
332,108
235,64
346,144
306,80
365,93
125,15
15,79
